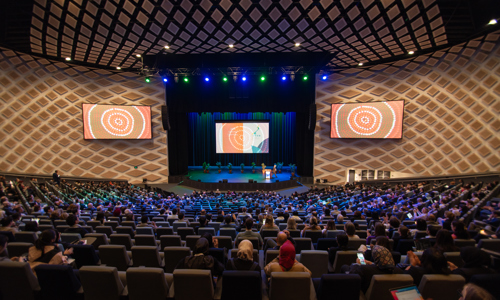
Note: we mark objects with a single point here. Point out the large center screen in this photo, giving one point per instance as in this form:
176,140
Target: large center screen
242,137
116,122
375,120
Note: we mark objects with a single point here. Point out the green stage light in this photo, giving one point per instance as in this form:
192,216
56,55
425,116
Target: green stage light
224,78
186,79
305,77
147,80
262,78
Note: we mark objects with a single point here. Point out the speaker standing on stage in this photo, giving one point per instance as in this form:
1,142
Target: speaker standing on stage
56,177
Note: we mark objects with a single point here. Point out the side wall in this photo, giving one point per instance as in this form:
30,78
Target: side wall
41,125
451,123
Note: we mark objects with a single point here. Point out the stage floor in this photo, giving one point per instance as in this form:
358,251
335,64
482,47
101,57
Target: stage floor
196,173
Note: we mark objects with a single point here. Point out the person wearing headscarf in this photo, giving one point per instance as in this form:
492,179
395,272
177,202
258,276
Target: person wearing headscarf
244,258
286,261
475,260
201,260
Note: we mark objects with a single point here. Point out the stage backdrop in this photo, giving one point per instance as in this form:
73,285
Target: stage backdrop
202,139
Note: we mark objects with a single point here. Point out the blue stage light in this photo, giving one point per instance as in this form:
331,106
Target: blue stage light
165,79
207,79
324,77
283,78
244,78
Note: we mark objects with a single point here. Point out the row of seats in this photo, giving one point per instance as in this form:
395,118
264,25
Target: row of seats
105,283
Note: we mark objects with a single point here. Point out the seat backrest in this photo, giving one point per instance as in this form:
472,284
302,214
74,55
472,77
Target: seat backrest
70,237
129,223
173,255
100,283
294,233
100,239
316,261
17,281
225,242
289,285
57,281
270,255
146,283
326,243
210,230
121,239
176,225
464,243
107,230
313,234
125,230
253,240
18,248
215,225
362,234
170,241
228,232
303,244
381,284
145,240
186,279
344,258
164,231
441,286
113,224
234,252
404,246
343,286
26,237
333,233
355,243
94,224
115,256
184,231
144,230
85,255
147,256
191,241
455,258
269,233
231,285
489,244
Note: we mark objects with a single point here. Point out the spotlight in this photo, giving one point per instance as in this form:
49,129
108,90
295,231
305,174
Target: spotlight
224,78
165,79
297,44
118,68
283,78
147,79
244,78
207,79
167,47
262,78
68,58
324,77
493,22
305,78
231,46
360,64
138,55
411,52
186,79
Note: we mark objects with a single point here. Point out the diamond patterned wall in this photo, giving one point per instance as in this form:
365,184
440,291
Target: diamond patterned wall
451,123
41,121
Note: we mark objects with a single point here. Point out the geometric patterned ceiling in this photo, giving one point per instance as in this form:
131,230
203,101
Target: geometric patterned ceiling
111,33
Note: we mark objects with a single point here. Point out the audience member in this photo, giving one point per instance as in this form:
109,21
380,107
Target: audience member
285,262
244,258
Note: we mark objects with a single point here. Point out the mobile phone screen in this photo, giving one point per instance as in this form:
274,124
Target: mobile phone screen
409,215
361,258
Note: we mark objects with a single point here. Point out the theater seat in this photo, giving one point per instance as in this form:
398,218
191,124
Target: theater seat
173,255
26,237
185,280
381,284
442,287
291,285
17,281
339,286
344,258
85,255
231,285
115,256
101,283
57,282
147,256
316,261
18,248
148,283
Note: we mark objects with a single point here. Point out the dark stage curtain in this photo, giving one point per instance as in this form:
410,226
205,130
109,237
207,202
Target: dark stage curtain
282,139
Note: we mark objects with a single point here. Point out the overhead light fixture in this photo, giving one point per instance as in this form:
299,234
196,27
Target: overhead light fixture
186,79
68,58
262,78
283,77
224,78
297,44
118,68
207,79
360,64
324,77
305,77
231,46
244,78
411,52
147,79
493,22
167,47
165,79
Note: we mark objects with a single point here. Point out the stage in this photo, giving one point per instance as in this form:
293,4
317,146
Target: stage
247,180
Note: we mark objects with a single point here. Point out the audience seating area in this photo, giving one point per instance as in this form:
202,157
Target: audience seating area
135,241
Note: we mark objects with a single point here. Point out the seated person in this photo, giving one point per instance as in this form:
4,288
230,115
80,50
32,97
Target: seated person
8,224
313,225
432,262
342,241
285,262
3,252
379,231
244,258
46,252
249,233
444,242
283,236
72,221
269,224
201,260
145,223
350,230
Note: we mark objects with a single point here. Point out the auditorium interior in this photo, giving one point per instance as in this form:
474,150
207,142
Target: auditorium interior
272,149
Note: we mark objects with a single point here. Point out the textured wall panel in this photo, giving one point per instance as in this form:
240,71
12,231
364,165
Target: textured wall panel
41,121
451,122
